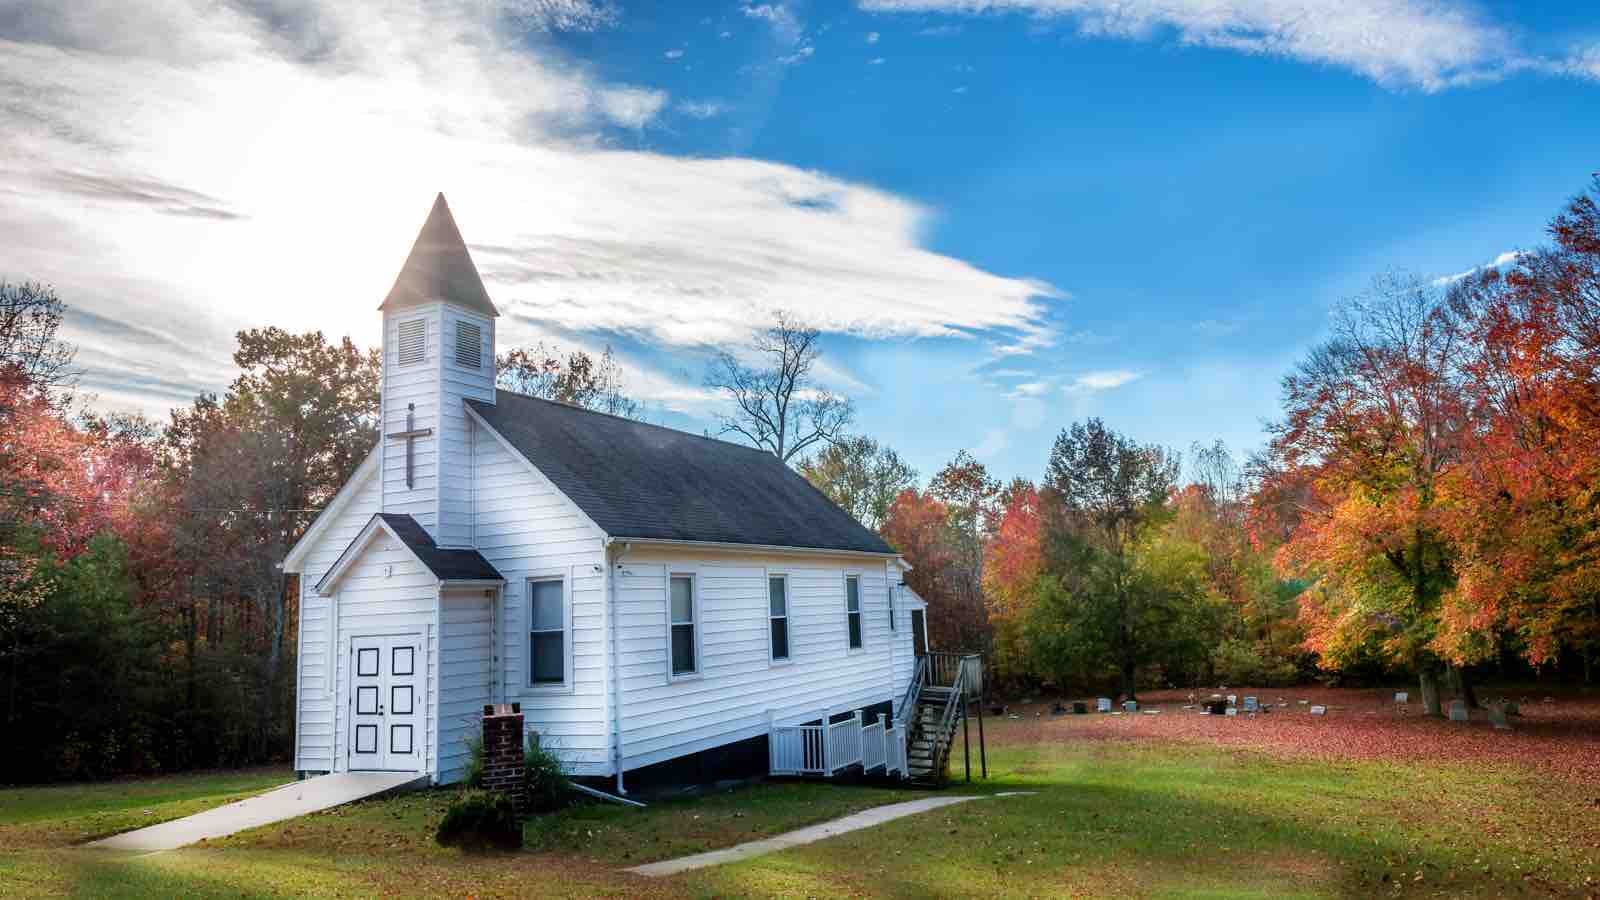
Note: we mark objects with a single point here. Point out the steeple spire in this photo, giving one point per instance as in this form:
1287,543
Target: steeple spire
439,269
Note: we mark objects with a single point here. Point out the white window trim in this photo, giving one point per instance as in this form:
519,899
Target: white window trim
694,601
787,617
861,610
525,678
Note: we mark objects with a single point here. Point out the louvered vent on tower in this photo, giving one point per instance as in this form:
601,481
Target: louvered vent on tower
413,341
469,345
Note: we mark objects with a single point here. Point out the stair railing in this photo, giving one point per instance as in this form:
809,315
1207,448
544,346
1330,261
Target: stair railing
913,687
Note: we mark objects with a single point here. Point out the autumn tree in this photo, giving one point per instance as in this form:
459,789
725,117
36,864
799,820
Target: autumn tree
1373,418
1120,593
576,378
918,526
30,317
862,476
778,404
247,472
1013,562
1524,514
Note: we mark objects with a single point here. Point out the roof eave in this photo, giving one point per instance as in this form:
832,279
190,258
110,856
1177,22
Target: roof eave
753,548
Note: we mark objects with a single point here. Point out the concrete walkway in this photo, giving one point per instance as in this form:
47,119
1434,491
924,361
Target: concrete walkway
286,802
864,819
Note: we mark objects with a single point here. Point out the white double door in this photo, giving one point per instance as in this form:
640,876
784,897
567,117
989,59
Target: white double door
386,703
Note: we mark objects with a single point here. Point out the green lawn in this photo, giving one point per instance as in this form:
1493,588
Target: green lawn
1108,819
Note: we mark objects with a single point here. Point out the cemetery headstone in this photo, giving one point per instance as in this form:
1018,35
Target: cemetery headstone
1512,709
1497,718
1216,707
1079,708
1319,710
1232,711
1130,706
1103,704
1251,704
1402,697
1233,699
1458,711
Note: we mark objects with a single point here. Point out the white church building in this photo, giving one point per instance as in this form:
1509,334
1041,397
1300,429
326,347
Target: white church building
645,594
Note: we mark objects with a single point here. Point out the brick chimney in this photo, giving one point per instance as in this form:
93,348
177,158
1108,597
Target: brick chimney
502,750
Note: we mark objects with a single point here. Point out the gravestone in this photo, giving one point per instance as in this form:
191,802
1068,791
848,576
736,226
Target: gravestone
1130,706
1251,705
1497,718
1080,708
1512,709
1319,710
1458,711
1216,707
1103,704
1402,697
1231,711
1233,699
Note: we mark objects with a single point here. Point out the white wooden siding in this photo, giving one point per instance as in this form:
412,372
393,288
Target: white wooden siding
728,701
466,674
414,384
456,384
314,723
526,528
386,591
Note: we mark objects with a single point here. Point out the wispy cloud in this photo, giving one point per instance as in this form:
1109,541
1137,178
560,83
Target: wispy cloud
1094,382
875,61
1429,44
1499,262
872,37
158,173
674,53
702,109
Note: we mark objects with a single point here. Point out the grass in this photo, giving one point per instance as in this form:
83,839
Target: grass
1109,818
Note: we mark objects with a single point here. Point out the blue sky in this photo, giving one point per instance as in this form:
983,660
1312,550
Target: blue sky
1005,215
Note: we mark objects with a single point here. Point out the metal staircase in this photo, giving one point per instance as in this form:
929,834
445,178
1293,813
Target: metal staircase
935,704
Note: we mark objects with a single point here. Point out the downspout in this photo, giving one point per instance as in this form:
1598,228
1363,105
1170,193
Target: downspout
616,669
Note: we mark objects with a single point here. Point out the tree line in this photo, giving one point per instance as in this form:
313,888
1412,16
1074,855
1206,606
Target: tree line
1427,506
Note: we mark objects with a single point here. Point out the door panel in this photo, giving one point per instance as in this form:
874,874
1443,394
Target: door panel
386,706
919,633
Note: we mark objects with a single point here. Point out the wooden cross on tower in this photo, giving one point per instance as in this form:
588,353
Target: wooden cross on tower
411,432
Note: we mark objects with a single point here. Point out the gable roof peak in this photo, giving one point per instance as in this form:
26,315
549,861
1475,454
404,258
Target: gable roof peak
439,268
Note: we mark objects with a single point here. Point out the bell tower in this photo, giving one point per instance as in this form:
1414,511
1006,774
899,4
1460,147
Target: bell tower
438,351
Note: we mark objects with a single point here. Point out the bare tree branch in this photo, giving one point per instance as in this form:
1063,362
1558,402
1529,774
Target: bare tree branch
778,407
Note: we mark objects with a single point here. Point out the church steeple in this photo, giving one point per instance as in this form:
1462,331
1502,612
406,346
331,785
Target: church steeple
439,269
438,352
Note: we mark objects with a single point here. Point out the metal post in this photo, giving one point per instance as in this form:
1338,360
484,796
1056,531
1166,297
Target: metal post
883,733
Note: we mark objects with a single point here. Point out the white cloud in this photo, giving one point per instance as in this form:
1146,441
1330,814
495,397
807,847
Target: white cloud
994,441
1499,262
1093,382
702,109
872,37
1431,44
674,53
180,171
800,54
875,61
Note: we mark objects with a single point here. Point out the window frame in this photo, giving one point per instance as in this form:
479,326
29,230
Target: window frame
565,686
455,347
693,576
860,613
788,619
400,360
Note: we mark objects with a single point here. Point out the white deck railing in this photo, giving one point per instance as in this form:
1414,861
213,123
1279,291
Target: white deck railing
825,749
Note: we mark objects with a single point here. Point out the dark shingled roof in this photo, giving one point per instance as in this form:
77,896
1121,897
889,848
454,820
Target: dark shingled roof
446,565
439,268
644,481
